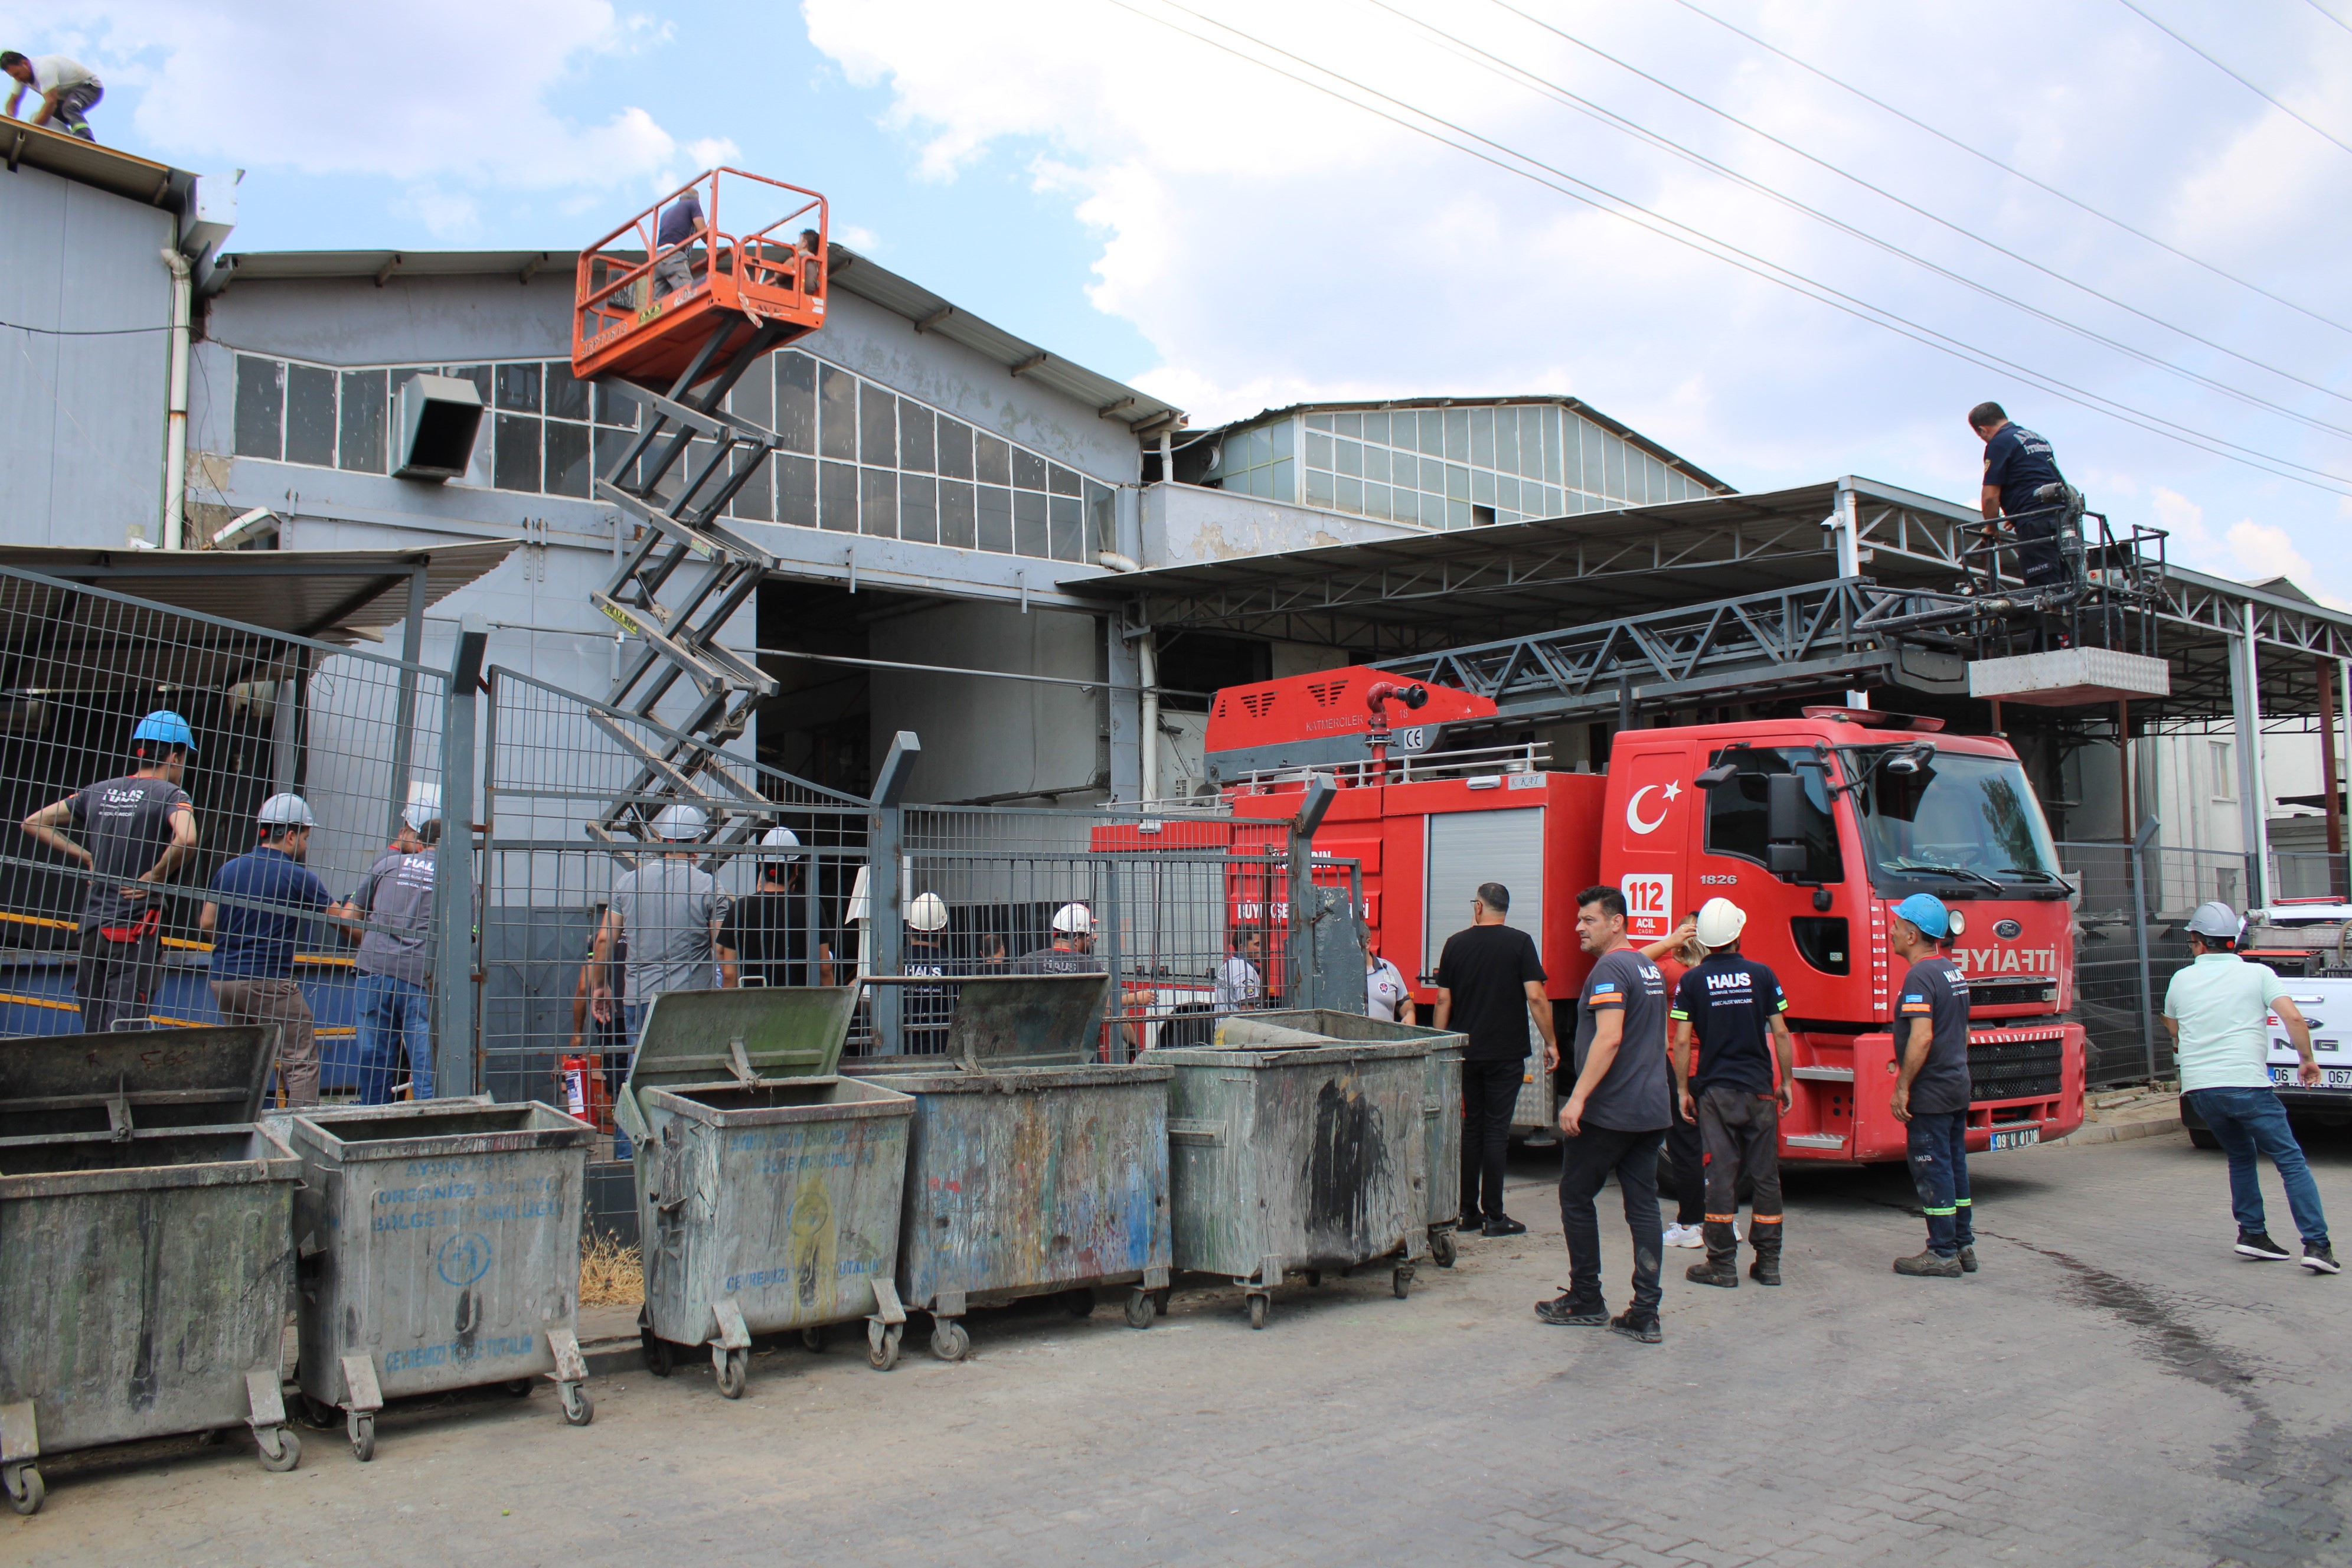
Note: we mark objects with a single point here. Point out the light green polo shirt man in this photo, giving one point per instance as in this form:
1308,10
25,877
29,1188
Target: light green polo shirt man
2221,1006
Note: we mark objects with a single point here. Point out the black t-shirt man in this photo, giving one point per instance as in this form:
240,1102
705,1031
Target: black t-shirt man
1634,1095
1729,1002
1938,991
768,933
1487,968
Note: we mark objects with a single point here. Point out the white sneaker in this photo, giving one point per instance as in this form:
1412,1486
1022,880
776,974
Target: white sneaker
1734,1231
1683,1236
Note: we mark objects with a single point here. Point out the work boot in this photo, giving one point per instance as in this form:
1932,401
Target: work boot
1723,1271
1967,1260
1925,1265
1636,1325
1766,1268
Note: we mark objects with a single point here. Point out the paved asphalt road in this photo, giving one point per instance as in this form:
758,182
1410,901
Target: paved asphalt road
2116,1386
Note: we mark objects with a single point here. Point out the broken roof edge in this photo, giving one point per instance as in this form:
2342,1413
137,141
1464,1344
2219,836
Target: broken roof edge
1141,413
1615,426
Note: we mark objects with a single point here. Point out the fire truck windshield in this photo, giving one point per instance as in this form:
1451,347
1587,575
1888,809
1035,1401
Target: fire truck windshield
1945,821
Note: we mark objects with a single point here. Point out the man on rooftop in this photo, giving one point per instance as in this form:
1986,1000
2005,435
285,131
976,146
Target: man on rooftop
67,88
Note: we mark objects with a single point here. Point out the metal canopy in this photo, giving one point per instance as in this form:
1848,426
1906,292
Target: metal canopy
1407,599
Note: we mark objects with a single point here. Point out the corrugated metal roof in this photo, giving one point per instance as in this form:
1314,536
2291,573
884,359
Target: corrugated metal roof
855,274
139,179
255,598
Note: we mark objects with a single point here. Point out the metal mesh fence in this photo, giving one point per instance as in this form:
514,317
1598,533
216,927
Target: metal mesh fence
350,730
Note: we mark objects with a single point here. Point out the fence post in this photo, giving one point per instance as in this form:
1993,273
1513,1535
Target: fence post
1110,957
885,883
456,937
2140,841
1305,984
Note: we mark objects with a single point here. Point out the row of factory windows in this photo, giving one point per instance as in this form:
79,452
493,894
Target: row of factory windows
857,457
1444,467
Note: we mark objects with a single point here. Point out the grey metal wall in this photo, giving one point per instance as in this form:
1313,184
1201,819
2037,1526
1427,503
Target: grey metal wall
81,418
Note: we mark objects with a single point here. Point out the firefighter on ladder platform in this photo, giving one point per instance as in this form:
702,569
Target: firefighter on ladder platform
2024,489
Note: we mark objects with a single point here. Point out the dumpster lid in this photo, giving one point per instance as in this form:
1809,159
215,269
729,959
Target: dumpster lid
143,1077
1026,1020
710,1036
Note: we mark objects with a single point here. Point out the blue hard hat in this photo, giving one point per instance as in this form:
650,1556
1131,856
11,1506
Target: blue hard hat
167,727
1927,911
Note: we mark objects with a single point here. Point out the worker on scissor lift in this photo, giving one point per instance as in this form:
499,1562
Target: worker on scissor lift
681,222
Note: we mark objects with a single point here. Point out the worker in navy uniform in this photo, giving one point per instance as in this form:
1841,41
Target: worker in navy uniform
1731,1006
1932,1085
924,1011
2017,464
139,828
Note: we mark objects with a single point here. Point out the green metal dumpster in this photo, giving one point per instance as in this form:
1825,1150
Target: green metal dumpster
438,1247
1440,1105
145,1244
768,1187
1031,1170
1305,1155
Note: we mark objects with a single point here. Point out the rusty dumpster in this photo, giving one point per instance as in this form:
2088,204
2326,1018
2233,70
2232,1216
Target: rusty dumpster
1031,1170
437,1246
768,1186
1440,1103
145,1244
1293,1153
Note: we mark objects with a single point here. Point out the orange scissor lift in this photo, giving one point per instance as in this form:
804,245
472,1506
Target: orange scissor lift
674,326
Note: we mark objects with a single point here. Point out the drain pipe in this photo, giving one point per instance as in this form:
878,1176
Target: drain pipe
175,436
1147,662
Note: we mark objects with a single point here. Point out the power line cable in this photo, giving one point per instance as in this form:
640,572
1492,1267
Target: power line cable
1524,76
90,333
1748,261
2331,15
2233,76
2012,171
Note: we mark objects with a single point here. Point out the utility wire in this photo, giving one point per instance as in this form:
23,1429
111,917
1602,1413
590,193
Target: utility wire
2331,15
93,332
2011,170
1747,261
2233,76
1521,76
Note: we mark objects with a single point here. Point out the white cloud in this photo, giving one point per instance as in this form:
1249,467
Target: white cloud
433,92
2261,550
449,215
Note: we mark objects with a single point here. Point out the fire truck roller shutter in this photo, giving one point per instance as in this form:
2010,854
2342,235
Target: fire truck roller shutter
1465,848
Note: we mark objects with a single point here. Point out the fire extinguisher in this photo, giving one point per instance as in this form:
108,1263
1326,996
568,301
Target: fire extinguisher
575,1073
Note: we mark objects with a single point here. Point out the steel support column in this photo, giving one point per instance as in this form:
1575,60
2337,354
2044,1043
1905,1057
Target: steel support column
2246,707
885,884
457,956
403,737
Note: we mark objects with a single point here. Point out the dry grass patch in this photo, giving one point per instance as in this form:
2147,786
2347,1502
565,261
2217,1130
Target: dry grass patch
611,1274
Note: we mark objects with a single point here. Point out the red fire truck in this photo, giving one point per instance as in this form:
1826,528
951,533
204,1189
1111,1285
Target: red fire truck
1814,825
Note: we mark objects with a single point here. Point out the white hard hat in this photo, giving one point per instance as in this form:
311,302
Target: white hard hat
777,838
286,811
424,804
928,913
1721,921
1074,919
681,822
2215,919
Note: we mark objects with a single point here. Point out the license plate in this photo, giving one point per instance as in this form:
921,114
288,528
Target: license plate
2017,1138
2330,1077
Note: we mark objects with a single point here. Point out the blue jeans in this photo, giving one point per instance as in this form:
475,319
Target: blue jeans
1938,1144
393,1014
2252,1122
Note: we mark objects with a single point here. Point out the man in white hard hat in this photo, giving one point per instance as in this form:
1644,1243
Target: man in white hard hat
669,911
924,1011
1072,949
394,903
138,827
2218,1011
764,939
1730,1006
254,912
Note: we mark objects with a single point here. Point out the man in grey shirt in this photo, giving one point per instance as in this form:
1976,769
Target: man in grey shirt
668,910
395,980
138,827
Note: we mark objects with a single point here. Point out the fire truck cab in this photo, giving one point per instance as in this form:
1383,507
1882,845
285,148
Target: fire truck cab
1814,825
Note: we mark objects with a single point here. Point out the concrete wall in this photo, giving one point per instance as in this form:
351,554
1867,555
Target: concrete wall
82,417
983,737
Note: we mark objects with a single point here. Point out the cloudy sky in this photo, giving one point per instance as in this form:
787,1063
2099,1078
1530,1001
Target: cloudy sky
1242,204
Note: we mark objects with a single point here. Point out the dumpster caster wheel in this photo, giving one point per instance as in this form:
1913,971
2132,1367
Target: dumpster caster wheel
578,1408
280,1449
1140,1310
359,1428
1401,1281
948,1340
520,1387
1257,1305
1442,1249
813,1341
1314,1279
882,1344
23,1484
1080,1303
734,1369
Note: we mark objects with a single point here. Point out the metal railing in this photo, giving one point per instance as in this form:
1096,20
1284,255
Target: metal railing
347,729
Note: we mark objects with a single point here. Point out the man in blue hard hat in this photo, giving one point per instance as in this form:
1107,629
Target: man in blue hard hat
138,829
1932,1086
254,912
